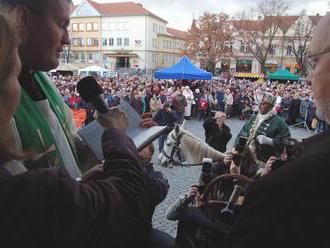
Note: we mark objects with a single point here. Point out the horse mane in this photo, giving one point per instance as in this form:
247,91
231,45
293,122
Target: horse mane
197,149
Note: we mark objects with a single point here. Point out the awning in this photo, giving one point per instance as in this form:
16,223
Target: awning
122,55
244,62
248,75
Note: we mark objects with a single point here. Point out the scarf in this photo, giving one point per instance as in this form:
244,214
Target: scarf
33,128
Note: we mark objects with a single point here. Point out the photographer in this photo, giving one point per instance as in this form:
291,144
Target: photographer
217,133
166,116
186,209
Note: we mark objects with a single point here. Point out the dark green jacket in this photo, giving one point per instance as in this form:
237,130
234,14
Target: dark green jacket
274,128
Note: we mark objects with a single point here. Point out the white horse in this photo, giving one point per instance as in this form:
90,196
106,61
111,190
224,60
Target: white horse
182,146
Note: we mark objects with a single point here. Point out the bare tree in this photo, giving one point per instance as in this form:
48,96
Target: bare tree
259,26
301,38
209,39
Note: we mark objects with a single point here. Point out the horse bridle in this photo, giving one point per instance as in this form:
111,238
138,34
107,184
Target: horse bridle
175,148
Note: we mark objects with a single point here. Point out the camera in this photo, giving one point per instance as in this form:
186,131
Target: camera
292,147
206,165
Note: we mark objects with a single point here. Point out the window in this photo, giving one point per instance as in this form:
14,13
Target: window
111,42
126,42
154,27
74,27
76,57
300,50
82,42
82,58
90,57
104,41
119,41
95,42
242,47
289,50
95,26
89,41
272,50
81,27
89,26
164,44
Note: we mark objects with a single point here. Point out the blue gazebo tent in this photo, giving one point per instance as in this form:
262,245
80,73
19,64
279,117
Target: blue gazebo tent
183,69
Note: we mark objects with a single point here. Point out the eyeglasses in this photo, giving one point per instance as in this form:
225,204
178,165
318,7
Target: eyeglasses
311,61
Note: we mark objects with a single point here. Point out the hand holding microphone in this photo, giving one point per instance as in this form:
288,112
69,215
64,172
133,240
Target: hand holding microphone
91,91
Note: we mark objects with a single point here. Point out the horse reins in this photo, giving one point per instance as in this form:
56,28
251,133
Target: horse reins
176,148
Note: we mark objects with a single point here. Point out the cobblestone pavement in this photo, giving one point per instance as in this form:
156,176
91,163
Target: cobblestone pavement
181,178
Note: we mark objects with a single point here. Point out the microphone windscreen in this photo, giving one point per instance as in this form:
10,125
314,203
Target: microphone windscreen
88,88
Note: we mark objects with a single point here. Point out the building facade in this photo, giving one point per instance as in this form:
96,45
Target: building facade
121,37
280,54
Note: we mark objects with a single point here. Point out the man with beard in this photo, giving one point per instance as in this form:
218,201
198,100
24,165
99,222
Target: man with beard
290,205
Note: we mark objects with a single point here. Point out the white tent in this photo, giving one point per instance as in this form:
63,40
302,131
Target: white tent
93,69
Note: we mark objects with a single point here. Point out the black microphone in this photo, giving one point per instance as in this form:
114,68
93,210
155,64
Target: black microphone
91,92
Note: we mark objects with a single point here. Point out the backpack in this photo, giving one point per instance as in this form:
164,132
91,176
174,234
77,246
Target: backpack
203,104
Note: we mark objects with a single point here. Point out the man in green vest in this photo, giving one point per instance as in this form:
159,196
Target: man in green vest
264,131
43,120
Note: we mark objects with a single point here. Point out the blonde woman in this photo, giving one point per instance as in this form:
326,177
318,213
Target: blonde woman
46,207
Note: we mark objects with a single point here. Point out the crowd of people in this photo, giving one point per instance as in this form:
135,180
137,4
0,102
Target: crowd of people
238,98
55,193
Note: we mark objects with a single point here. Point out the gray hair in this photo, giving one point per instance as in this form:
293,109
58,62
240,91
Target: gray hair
35,6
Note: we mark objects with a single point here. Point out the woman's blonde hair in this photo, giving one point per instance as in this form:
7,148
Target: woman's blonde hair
8,44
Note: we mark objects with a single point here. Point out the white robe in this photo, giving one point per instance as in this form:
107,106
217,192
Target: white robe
189,97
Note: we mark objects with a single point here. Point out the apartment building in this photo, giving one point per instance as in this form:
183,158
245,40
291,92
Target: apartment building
121,36
280,54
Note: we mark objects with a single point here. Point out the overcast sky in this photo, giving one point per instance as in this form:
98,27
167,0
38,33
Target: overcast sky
179,13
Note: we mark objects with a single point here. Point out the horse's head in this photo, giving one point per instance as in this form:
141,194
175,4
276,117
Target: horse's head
172,153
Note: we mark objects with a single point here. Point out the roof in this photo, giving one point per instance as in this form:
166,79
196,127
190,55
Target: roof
122,9
285,22
315,19
248,25
177,33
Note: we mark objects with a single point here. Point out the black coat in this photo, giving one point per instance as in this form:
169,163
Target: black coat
290,207
47,208
216,137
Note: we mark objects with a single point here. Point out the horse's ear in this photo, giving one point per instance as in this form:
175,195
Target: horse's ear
184,124
176,129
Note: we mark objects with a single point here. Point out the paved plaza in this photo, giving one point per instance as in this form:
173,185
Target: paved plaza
181,178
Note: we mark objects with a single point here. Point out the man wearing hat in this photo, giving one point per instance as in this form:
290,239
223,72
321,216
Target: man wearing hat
264,131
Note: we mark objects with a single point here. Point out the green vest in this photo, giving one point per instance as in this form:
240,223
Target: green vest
33,127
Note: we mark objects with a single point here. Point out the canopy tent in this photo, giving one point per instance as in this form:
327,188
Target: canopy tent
282,74
94,69
66,67
183,69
